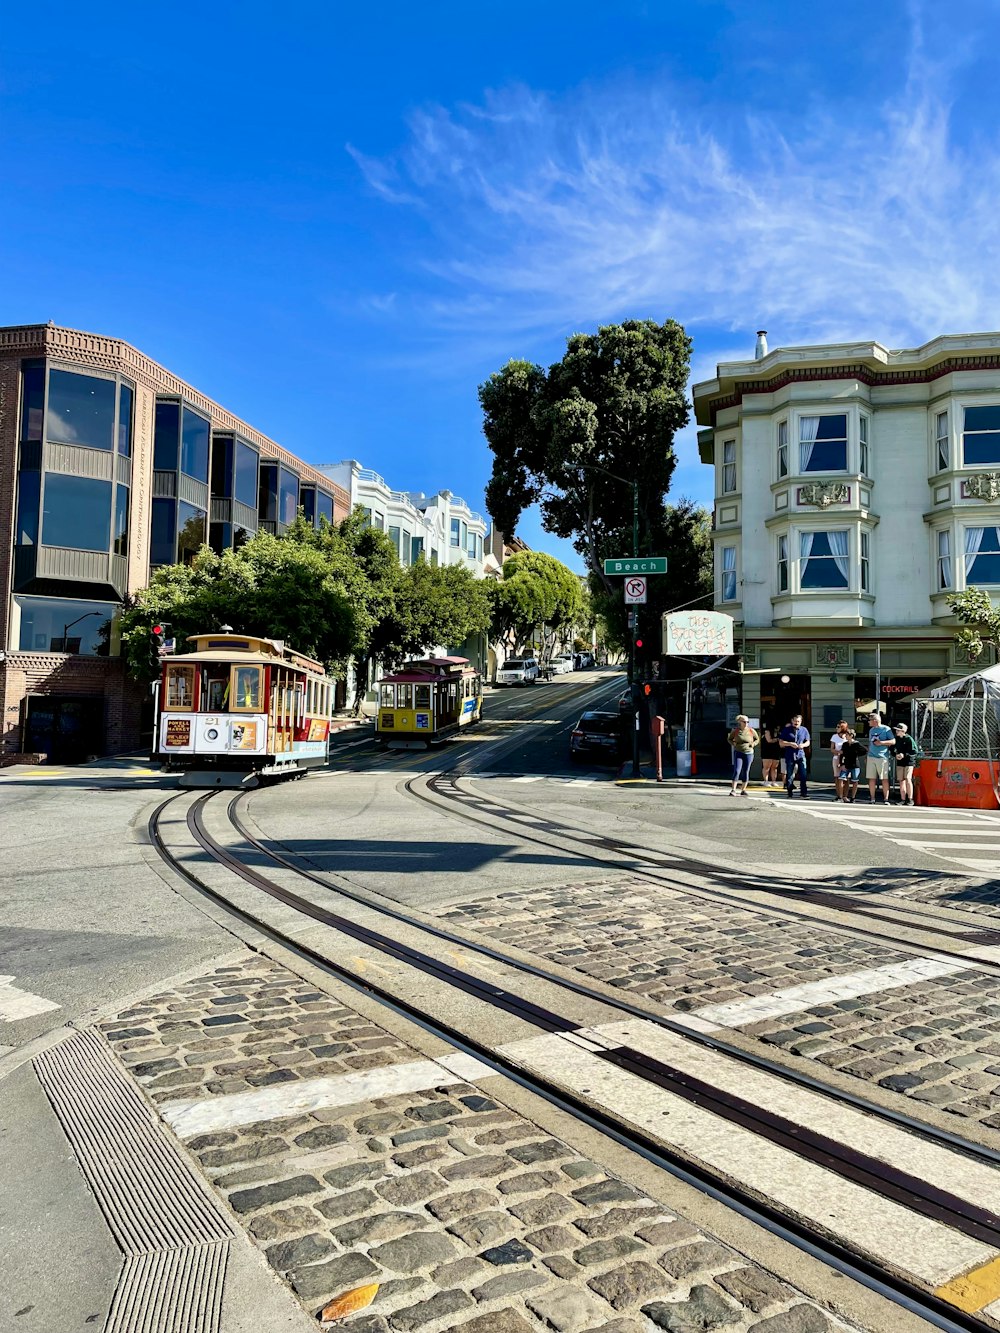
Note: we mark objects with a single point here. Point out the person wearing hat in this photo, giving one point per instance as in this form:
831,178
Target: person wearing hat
905,751
744,741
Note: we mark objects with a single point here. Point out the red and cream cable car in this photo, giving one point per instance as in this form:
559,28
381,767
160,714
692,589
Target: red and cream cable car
240,707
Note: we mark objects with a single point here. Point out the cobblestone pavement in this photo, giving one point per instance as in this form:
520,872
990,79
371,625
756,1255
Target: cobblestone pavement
465,1214
935,1041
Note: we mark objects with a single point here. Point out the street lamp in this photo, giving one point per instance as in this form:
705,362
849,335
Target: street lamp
636,704
86,616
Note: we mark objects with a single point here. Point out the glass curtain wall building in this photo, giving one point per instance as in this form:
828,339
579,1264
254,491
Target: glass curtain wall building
111,466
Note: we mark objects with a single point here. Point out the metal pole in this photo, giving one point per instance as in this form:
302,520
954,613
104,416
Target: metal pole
636,772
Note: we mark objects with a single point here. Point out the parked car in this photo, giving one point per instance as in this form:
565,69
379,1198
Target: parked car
596,736
583,661
518,671
561,664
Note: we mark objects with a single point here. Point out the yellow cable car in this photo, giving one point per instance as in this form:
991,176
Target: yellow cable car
425,701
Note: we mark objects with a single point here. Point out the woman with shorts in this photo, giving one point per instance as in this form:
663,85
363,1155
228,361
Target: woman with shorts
770,753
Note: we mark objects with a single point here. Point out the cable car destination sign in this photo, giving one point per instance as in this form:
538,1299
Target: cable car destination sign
697,634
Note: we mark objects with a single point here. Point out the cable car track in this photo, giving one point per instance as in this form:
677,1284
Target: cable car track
956,1213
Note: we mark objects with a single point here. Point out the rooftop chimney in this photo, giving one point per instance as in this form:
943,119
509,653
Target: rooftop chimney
760,351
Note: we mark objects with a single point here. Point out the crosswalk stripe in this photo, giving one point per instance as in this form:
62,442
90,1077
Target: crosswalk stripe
949,835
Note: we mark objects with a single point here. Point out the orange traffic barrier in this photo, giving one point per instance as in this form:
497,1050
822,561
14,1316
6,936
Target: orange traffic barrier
966,784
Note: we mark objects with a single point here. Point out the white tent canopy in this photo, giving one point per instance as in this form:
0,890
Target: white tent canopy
989,677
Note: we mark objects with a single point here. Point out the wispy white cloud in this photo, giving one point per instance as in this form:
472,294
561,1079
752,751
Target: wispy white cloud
550,214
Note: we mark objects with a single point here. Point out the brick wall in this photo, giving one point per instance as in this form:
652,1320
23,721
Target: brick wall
23,674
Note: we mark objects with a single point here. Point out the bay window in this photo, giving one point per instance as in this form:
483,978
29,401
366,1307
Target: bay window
866,562
782,564
823,560
863,458
942,443
823,443
981,437
729,573
944,558
782,449
982,556
729,467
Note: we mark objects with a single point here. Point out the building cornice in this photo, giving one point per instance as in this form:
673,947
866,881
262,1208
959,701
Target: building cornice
112,354
870,364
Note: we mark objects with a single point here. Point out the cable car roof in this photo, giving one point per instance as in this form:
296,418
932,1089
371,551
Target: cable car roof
429,668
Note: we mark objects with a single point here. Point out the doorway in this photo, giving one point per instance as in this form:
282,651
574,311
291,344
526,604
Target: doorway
781,698
66,728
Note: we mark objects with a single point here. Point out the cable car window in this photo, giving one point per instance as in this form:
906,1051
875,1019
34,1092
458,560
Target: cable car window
422,695
388,697
215,690
245,691
180,688
404,696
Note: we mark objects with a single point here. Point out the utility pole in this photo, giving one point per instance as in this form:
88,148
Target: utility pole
636,697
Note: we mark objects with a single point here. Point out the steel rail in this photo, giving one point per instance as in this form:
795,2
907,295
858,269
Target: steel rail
894,1287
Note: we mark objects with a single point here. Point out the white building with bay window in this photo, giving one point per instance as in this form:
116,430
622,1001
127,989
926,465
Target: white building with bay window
855,488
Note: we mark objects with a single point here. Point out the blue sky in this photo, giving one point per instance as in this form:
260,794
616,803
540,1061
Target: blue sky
337,220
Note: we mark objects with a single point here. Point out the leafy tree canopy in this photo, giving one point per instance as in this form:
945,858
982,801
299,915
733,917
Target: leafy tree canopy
974,609
536,589
567,438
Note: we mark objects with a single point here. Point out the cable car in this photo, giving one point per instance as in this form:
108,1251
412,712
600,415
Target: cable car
425,701
240,708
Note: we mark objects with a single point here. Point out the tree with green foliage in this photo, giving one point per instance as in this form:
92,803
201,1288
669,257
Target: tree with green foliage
536,590
974,609
575,438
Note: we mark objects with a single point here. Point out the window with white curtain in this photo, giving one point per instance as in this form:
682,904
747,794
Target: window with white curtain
942,442
981,437
982,555
944,558
824,559
729,573
728,467
866,562
782,564
782,449
863,447
823,443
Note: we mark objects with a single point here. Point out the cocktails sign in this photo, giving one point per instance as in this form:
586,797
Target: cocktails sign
697,634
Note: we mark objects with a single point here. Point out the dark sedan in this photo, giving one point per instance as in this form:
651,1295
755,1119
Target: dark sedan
596,736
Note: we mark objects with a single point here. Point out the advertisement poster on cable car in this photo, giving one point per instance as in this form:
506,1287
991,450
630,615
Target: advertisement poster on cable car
178,731
318,730
244,735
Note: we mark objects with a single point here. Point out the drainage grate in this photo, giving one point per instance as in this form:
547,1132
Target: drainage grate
170,1229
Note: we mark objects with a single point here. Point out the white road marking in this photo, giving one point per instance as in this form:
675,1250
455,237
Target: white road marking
537,778
795,999
948,1170
188,1116
16,1004
923,828
865,1220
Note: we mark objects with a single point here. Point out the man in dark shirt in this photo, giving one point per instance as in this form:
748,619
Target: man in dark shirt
794,741
905,751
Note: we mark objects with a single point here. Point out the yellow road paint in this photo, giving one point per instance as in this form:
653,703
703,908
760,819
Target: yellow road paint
972,1291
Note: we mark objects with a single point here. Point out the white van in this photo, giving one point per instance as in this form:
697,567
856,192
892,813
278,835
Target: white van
518,671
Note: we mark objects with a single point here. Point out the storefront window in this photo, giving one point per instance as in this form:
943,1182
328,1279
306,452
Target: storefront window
48,623
81,410
76,512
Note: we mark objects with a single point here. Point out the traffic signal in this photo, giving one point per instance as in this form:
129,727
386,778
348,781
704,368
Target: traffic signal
638,643
162,642
647,690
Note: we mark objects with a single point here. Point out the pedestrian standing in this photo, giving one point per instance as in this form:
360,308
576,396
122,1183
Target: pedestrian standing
744,741
794,741
905,751
723,687
698,700
850,765
836,745
770,753
880,742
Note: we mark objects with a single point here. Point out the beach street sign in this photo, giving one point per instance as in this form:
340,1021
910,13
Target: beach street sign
643,564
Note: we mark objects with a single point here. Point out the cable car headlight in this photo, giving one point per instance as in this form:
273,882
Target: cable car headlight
212,733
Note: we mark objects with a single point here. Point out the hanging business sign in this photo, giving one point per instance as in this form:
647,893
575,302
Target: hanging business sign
697,634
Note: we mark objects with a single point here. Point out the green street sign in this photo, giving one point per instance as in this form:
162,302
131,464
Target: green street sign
650,564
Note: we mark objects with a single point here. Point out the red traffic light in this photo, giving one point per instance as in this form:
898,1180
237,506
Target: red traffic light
638,643
647,690
158,630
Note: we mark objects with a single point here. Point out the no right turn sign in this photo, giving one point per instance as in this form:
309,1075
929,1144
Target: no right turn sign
635,591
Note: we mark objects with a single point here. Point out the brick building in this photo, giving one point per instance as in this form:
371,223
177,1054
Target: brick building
109,467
